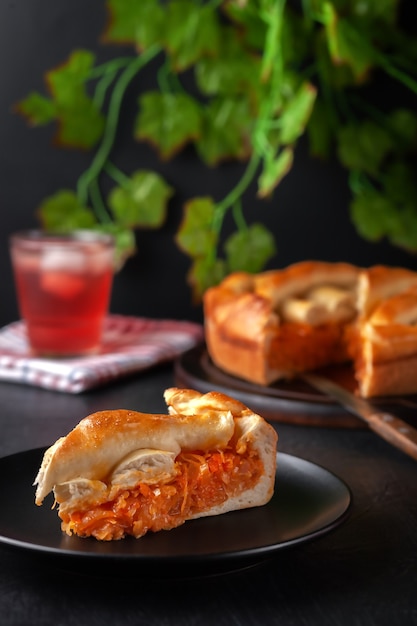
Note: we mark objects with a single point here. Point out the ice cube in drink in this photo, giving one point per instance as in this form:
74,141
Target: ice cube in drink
62,272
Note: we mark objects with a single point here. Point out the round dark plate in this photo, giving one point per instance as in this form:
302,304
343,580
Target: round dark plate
308,502
292,401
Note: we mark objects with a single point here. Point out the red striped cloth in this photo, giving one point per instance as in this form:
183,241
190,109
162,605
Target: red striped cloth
130,344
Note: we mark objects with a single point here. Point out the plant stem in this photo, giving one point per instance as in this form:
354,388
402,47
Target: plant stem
235,194
271,70
396,73
97,201
360,183
110,67
101,90
165,78
238,216
272,49
116,174
381,59
107,141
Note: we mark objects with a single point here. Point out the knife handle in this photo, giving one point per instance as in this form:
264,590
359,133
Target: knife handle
395,431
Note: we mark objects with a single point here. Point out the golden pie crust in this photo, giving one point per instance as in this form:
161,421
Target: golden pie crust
277,324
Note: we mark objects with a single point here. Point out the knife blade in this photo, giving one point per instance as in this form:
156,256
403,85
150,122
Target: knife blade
388,426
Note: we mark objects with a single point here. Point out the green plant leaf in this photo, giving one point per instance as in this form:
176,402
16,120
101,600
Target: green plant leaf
404,235
63,212
363,147
249,250
296,113
192,32
168,121
274,170
333,77
80,123
369,213
125,241
385,10
347,44
204,273
141,201
196,235
403,124
225,131
139,23
375,216
37,109
232,71
250,20
400,187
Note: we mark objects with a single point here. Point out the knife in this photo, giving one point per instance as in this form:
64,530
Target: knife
391,428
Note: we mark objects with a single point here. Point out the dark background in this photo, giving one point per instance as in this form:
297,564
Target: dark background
308,214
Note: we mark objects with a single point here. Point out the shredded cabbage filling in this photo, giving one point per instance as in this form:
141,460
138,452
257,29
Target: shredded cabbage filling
202,481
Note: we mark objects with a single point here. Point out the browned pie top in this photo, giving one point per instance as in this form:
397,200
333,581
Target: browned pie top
311,292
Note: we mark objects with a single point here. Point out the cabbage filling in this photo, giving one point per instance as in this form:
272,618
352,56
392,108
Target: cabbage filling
201,481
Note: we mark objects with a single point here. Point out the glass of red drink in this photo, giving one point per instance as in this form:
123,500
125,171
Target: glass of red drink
63,284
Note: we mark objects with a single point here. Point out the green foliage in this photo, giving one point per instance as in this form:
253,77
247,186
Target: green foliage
274,170
137,23
224,133
168,121
64,212
249,249
197,236
265,73
193,33
141,201
80,122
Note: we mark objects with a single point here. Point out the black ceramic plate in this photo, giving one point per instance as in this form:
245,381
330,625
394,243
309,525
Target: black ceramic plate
308,502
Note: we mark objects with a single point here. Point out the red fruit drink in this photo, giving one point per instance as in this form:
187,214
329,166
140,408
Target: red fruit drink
63,285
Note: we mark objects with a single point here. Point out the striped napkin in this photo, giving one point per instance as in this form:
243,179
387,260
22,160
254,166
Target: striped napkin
130,344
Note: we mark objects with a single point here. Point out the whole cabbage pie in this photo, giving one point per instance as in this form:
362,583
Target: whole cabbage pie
279,323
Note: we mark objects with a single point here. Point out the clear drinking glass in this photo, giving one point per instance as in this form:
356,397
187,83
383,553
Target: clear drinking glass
63,284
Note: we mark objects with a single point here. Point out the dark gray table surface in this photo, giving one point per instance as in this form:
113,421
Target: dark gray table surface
362,573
